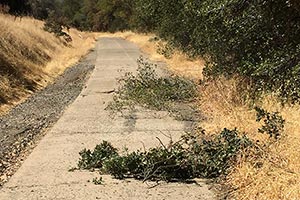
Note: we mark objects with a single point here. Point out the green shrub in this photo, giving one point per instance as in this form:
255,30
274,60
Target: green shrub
98,181
273,123
258,40
94,159
192,156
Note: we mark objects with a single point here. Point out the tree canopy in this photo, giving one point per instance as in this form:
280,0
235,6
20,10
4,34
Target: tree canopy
17,7
257,40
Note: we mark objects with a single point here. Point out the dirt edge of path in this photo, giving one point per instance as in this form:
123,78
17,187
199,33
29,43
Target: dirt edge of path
26,124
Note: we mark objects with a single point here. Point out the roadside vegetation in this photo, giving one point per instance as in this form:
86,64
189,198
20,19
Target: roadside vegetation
149,89
198,154
191,157
256,41
244,57
270,172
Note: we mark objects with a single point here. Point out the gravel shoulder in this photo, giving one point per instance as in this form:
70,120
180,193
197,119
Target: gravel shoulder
25,124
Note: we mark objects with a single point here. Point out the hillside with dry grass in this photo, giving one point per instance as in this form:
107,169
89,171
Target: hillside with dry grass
271,172
30,58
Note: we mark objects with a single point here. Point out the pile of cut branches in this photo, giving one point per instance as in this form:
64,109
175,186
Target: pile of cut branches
191,157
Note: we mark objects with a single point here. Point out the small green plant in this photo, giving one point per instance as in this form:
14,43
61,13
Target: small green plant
167,50
94,159
273,122
188,158
98,181
149,90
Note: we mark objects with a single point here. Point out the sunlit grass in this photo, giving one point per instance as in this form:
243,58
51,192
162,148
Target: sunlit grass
31,58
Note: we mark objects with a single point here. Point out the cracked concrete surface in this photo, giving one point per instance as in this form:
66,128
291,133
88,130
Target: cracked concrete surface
45,174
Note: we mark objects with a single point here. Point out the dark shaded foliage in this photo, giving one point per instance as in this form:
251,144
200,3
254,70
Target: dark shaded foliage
17,7
42,8
273,123
99,15
258,40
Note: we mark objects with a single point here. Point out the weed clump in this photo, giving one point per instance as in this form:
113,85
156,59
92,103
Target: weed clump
94,159
191,157
148,89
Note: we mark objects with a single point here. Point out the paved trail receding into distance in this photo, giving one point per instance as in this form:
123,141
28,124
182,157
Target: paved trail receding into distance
45,174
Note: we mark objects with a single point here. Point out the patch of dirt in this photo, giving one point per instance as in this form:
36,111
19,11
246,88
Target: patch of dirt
25,124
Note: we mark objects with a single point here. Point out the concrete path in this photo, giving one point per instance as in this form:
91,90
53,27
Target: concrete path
45,174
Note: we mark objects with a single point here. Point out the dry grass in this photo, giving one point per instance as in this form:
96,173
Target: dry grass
67,56
31,58
189,68
278,174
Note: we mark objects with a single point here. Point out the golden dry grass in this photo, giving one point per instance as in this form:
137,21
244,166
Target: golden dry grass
31,58
278,174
